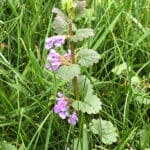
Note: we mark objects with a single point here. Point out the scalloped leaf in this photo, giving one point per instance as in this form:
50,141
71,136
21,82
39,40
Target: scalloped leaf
91,104
80,8
4,145
61,22
142,133
68,72
121,69
135,81
140,95
105,129
59,13
60,25
81,34
88,57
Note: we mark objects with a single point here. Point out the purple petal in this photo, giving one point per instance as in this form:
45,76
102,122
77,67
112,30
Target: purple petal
58,44
63,115
57,109
73,119
60,94
48,43
57,41
68,55
53,53
55,66
47,66
53,60
61,101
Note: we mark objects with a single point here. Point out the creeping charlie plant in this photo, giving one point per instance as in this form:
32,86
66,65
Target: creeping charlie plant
68,66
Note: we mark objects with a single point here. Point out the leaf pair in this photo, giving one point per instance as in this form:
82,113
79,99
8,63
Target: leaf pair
61,24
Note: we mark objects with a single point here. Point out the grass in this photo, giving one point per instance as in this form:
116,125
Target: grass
28,90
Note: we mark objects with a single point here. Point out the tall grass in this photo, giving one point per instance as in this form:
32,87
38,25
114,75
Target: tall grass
28,90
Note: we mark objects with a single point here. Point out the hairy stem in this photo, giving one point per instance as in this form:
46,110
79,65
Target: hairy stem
73,58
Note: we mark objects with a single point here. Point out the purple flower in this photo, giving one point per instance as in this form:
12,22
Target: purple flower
53,60
62,109
73,118
56,41
61,106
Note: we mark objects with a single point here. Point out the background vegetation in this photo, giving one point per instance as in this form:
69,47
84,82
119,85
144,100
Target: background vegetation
28,90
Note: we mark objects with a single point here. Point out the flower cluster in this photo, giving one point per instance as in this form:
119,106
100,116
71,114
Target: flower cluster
62,108
55,60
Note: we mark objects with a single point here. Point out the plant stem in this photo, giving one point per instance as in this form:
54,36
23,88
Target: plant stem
73,58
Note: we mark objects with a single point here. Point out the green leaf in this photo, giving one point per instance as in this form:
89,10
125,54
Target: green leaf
59,13
68,72
120,69
81,34
61,22
79,9
143,135
90,105
140,95
88,57
135,81
60,25
4,145
105,129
